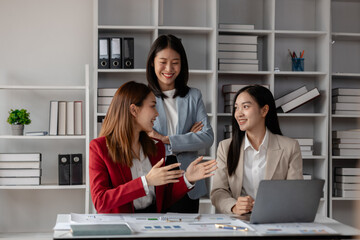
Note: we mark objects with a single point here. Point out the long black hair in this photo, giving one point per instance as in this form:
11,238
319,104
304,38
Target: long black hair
162,42
263,97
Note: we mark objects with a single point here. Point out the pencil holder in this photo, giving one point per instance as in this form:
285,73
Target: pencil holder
297,64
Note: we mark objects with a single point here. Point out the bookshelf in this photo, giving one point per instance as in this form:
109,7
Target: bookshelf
31,200
345,73
309,25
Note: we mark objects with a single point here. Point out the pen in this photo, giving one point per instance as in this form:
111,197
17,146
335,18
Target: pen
302,54
291,55
231,227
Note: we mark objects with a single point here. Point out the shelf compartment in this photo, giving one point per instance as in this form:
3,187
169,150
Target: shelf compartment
349,50
198,13
315,52
264,53
345,16
308,127
142,44
124,12
285,84
306,15
242,12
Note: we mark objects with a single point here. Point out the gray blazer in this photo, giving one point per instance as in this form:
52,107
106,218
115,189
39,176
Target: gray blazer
283,161
185,144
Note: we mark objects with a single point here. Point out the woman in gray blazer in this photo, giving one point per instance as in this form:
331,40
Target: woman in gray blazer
182,124
256,151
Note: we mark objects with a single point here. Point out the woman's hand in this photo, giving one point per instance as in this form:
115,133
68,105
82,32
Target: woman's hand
243,205
197,171
163,175
196,127
155,134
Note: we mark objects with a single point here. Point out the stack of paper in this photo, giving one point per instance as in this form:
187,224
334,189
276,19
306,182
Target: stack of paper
105,96
20,168
346,143
238,53
346,101
347,182
306,146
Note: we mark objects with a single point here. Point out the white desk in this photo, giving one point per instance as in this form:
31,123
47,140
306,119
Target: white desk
343,232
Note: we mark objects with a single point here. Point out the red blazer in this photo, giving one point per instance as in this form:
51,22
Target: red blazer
113,189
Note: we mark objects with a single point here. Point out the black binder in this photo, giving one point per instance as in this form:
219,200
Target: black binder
128,52
103,53
64,169
76,176
115,53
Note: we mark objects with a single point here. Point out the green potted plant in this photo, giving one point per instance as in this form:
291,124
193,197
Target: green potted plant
18,118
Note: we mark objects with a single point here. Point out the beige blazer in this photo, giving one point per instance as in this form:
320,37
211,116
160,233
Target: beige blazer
283,161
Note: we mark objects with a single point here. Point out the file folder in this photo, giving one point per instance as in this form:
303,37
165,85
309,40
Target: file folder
128,53
64,169
76,177
115,53
103,53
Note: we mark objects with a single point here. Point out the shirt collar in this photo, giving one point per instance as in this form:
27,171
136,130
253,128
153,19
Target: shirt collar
264,143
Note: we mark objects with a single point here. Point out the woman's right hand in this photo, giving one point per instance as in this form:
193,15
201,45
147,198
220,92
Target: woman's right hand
243,205
196,127
163,175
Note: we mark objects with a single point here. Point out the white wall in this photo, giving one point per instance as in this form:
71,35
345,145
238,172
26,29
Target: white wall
45,42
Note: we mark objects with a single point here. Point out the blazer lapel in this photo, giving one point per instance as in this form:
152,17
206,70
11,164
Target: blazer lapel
162,116
182,108
273,156
240,171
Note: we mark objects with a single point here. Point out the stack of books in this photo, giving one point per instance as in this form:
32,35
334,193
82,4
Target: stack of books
20,168
229,91
238,53
105,96
306,146
347,182
296,98
346,143
227,131
346,101
66,118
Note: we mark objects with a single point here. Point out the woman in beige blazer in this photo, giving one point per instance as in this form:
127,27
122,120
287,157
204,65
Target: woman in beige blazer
256,151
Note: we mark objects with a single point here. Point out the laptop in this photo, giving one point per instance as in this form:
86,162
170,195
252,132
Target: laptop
284,201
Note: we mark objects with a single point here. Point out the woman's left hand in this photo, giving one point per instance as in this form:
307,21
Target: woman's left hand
197,171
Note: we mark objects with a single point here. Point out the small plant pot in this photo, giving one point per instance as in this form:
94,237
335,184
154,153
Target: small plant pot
17,129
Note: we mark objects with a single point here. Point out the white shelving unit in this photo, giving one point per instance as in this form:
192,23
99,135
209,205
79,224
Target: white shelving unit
280,25
277,32
39,205
345,73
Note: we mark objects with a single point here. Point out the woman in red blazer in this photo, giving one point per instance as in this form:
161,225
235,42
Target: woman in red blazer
127,172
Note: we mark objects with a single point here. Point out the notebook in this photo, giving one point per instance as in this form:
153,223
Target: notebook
284,201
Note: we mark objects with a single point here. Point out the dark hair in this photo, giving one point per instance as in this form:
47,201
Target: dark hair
263,97
118,126
162,42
